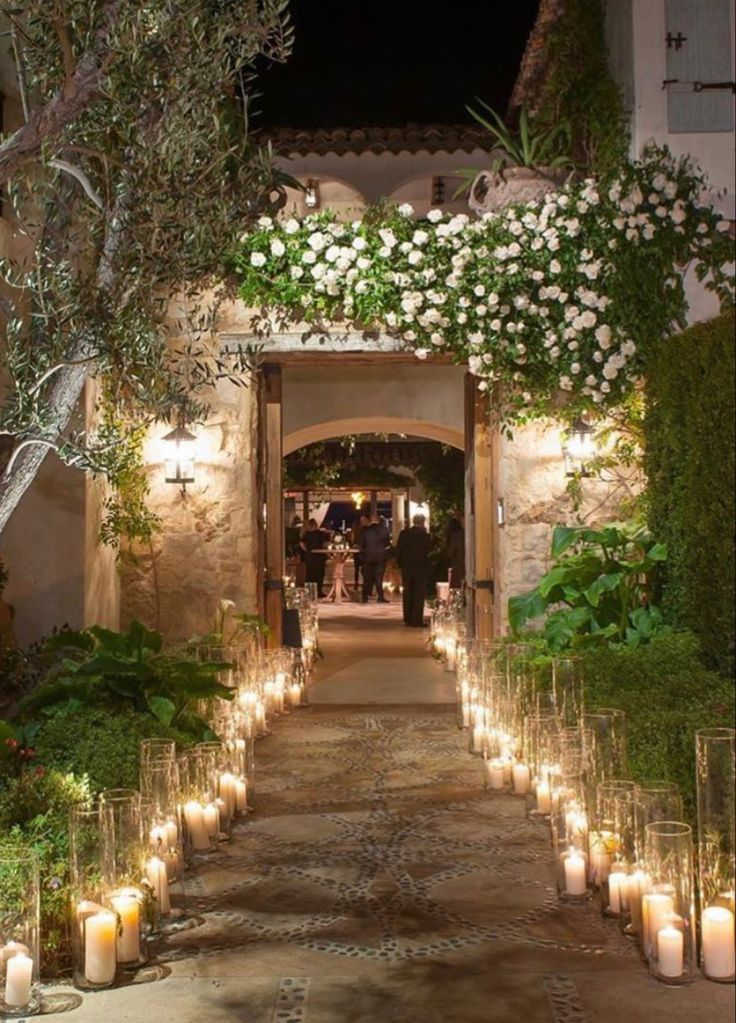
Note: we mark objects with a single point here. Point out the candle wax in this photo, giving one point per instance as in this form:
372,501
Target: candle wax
18,980
670,951
99,947
575,874
129,935
719,943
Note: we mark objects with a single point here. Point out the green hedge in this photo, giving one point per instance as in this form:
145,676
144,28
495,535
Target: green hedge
667,694
690,439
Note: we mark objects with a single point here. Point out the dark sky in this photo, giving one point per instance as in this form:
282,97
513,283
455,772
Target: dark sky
389,62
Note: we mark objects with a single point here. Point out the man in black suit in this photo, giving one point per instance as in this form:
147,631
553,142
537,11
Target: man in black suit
374,542
413,553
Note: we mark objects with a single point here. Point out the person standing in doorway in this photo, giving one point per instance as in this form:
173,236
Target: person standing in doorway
315,540
413,552
455,549
374,544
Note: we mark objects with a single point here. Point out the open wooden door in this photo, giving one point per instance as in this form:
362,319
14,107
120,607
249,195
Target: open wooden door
481,458
272,454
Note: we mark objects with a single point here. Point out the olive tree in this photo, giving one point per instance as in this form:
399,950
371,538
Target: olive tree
129,182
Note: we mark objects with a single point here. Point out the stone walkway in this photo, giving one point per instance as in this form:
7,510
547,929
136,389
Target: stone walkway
377,882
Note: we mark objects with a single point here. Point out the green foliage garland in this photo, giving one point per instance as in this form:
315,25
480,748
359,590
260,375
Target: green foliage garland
689,461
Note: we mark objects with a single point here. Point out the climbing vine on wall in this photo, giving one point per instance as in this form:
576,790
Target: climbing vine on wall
560,297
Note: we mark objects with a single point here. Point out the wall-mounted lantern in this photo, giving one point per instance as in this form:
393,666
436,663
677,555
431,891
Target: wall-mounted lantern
311,194
579,448
179,461
358,498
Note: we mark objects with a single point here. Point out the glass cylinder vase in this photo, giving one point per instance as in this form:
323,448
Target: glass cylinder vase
668,907
93,924
715,757
19,934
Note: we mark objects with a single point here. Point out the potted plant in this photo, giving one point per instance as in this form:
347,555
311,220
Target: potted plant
530,162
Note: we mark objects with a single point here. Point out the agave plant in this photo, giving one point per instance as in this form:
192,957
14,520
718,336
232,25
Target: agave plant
115,670
533,146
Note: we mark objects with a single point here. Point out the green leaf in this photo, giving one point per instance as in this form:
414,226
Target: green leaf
162,708
524,607
603,584
563,537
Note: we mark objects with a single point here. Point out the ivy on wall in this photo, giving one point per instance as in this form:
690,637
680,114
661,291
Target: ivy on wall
689,460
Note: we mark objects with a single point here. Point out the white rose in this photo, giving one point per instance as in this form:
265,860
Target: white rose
406,209
266,222
434,216
332,253
479,290
317,241
257,259
420,237
384,251
475,339
421,353
415,257
387,237
603,336
359,243
678,214
363,263
309,257
566,383
291,226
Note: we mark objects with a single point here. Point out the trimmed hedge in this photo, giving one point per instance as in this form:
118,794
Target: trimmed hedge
667,694
690,441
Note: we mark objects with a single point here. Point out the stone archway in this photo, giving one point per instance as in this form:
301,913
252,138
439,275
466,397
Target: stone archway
373,424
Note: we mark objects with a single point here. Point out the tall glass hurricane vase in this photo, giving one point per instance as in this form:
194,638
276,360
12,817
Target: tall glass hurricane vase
19,934
93,924
668,907
716,795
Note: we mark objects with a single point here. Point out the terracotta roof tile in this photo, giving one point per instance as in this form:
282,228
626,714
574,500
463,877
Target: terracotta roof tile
412,138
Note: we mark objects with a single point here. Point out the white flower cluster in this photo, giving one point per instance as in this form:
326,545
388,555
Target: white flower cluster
556,294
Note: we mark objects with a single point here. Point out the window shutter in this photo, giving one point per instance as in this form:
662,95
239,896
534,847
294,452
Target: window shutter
698,40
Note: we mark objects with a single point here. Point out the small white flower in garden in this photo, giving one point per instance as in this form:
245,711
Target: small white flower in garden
606,388
415,257
495,326
537,244
479,290
581,206
361,287
452,280
632,235
571,312
257,259
563,201
537,275
628,348
565,383
405,247
317,241
619,223
487,358
597,356
612,244
514,249
434,216
511,327
554,352
492,299
575,368
614,192
343,265
553,244
475,339
406,209
555,266
653,198
678,213
318,271
521,302
420,237
463,302
591,271
462,317
336,230
648,232
392,319
363,263
384,251
610,371
437,339
661,212
421,353
500,253
291,226
481,310
659,181
591,381
603,336
483,385
702,228
588,318
387,237
332,253
516,228
359,243
474,364
266,222
722,226
409,335
670,190
520,348
504,310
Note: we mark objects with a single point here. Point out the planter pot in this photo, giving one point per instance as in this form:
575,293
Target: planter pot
493,190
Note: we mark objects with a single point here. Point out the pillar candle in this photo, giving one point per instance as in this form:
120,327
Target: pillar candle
602,847
670,951
159,837
617,890
194,817
18,980
159,881
478,731
656,908
295,694
576,824
128,908
576,882
172,832
466,715
521,778
212,820
241,794
227,792
495,773
223,811
636,886
719,947
99,947
544,799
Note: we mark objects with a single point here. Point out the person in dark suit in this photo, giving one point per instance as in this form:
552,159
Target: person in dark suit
455,550
374,542
313,540
413,553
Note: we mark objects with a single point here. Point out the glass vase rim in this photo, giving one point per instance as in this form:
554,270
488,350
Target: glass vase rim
658,786
668,829
717,732
604,712
118,795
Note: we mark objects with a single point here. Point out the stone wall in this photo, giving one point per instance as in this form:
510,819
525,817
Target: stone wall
533,486
207,548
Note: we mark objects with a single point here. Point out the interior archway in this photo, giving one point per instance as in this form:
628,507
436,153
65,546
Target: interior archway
372,424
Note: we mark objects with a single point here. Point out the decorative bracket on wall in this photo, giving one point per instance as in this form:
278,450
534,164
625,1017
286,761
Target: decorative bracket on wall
698,86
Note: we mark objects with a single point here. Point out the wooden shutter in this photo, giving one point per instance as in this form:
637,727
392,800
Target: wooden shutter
698,40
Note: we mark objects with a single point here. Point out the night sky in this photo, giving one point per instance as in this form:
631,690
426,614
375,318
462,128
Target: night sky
390,62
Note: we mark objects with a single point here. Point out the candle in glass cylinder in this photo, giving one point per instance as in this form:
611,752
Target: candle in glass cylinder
99,947
194,817
159,837
212,820
128,909
18,980
544,797
602,846
636,885
295,694
576,870
159,882
13,948
227,792
719,946
521,779
478,733
670,951
172,832
617,891
656,909
495,773
241,794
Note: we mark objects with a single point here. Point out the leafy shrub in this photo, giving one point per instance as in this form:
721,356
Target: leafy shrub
667,695
102,746
598,589
34,814
125,671
690,431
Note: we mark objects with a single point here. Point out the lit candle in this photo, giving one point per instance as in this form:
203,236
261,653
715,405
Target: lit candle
670,951
719,947
260,717
576,824
637,884
295,694
521,777
617,890
227,792
602,847
466,715
495,773
212,820
159,837
13,948
194,817
18,977
656,909
159,882
99,947
544,797
129,932
478,732
241,794
172,832
576,882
